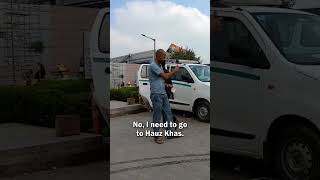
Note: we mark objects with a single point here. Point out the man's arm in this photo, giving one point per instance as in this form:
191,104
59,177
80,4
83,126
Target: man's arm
168,75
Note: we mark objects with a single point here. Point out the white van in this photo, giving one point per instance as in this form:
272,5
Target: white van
100,58
192,84
266,75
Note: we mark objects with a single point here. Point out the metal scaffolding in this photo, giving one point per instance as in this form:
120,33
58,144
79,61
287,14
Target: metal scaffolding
20,39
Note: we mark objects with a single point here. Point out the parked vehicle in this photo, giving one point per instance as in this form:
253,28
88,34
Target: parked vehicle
100,56
266,75
192,84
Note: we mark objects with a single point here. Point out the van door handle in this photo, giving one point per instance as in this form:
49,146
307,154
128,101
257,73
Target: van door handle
144,83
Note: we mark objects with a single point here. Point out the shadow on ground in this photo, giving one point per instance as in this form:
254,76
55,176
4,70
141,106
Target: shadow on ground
231,167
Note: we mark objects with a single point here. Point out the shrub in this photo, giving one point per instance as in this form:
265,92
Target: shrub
121,94
8,102
67,86
39,104
29,105
106,132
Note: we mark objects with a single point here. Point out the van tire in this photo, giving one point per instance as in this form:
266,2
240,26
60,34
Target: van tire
300,144
202,111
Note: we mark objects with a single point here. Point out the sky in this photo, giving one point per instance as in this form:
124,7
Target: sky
183,22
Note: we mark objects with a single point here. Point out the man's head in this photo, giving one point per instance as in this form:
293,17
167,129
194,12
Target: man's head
160,56
217,23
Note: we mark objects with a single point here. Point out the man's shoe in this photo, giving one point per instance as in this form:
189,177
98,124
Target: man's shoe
158,140
173,137
175,120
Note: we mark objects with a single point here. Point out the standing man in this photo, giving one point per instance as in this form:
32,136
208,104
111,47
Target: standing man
158,93
216,23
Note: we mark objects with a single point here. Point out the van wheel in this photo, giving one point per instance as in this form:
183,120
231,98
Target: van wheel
202,111
297,154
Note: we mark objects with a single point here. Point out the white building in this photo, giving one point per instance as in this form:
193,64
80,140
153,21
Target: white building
144,57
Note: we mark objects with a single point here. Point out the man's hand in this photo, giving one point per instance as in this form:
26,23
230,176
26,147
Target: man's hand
176,69
168,75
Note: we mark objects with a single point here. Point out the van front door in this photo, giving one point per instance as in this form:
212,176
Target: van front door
144,85
100,56
183,83
238,68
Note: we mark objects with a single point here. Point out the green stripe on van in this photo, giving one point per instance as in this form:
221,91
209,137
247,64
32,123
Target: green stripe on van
187,85
102,60
235,73
144,80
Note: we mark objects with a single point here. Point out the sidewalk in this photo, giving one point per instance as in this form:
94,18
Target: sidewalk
119,108
25,148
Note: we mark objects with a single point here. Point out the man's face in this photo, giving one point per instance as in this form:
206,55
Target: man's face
161,57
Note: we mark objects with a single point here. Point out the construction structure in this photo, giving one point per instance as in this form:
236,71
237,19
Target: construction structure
31,32
20,39
84,3
144,57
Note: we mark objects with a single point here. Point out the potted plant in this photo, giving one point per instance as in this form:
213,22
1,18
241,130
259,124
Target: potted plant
67,121
132,98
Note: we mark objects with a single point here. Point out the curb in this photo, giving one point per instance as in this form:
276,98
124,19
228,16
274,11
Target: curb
130,109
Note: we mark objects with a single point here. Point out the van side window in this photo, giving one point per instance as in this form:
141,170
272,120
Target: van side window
233,43
144,71
309,35
104,35
182,75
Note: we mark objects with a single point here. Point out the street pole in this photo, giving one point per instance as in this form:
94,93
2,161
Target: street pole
154,45
154,49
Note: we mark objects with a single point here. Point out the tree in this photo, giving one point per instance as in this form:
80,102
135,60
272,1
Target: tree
288,3
187,54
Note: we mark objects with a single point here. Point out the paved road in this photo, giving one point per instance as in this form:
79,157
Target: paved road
139,158
228,167
224,168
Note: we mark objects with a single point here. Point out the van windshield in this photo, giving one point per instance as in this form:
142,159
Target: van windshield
202,72
297,36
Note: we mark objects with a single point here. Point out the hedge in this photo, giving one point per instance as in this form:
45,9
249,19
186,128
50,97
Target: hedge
121,94
106,132
67,86
38,105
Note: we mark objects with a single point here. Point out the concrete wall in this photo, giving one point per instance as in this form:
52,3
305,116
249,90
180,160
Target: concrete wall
131,73
128,71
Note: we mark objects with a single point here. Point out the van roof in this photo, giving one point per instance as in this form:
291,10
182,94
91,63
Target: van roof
260,9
